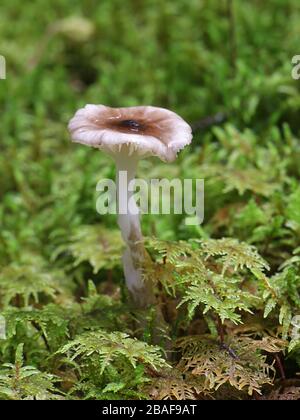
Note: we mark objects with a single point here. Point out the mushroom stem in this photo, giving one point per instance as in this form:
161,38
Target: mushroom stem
129,223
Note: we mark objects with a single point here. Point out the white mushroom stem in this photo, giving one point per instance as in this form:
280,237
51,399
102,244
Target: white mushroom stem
129,223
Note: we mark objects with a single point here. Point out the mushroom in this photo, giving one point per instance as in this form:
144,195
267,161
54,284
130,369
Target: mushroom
128,135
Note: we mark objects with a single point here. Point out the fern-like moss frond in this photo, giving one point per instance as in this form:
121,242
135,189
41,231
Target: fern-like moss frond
238,362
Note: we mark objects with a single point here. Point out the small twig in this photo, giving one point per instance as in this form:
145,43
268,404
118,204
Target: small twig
230,351
280,366
209,121
220,330
39,329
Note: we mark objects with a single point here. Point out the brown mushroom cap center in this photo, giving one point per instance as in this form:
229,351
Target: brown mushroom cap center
157,127
135,126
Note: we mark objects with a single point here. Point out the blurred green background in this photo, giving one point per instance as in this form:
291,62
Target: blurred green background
195,56
202,59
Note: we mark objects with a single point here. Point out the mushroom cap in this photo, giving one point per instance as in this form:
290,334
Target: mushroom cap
145,130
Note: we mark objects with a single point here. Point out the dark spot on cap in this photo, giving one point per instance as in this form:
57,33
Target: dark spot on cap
131,125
